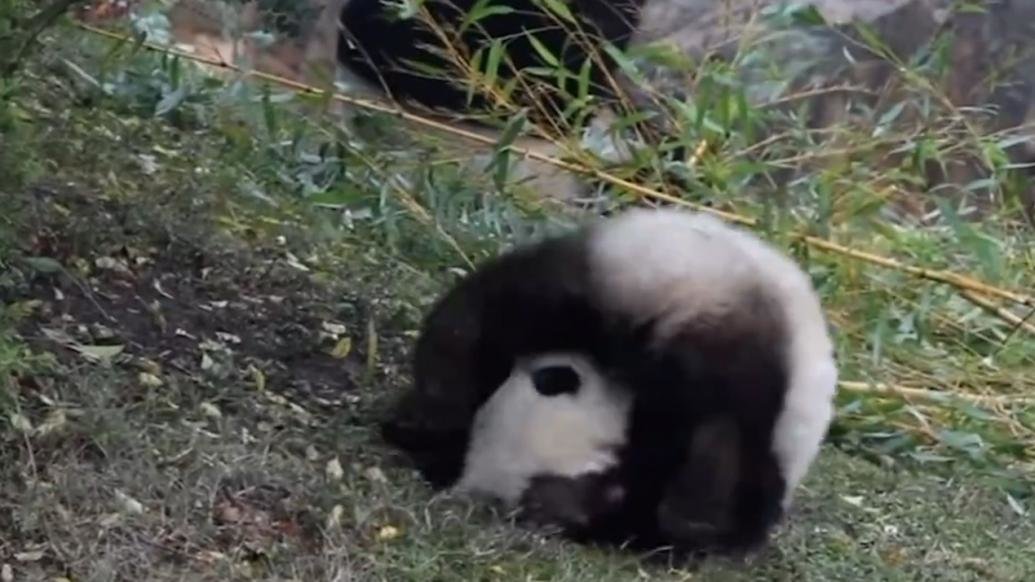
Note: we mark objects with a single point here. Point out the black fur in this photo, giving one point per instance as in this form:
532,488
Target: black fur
381,48
697,471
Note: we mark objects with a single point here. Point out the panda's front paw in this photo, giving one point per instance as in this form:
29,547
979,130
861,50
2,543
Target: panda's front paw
700,526
572,503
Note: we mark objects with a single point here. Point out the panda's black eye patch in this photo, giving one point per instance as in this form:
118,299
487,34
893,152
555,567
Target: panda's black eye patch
556,380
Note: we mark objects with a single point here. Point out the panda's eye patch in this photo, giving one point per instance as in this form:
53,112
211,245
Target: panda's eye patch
556,380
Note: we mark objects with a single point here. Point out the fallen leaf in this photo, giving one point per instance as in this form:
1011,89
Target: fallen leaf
210,410
148,163
334,470
101,332
335,329
342,348
26,308
128,504
334,518
387,533
45,265
1016,506
259,378
149,380
58,336
20,423
99,353
150,366
54,422
210,556
33,556
311,454
371,345
228,337
857,501
376,475
293,261
110,520
110,264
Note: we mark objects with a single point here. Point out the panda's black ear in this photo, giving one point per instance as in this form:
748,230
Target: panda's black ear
556,380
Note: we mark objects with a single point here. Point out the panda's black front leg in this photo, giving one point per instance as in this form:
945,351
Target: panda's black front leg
698,506
726,493
437,452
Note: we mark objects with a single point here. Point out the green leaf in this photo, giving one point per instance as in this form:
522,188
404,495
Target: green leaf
967,442
808,16
269,113
492,64
544,52
559,8
583,78
511,131
871,39
888,118
623,62
170,101
501,159
481,10
44,265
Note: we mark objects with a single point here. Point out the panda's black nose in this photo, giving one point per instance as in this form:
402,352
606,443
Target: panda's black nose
556,380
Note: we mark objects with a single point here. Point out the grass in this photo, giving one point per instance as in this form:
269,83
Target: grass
206,310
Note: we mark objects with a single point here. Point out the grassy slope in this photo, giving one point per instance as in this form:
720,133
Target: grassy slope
193,454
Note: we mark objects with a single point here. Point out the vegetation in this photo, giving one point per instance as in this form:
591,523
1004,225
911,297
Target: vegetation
210,287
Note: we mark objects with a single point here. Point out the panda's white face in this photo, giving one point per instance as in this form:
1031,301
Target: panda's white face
555,415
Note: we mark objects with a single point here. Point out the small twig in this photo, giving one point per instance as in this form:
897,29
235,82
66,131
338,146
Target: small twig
1017,321
88,294
880,388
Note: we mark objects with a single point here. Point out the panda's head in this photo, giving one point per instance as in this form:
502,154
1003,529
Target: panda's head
548,441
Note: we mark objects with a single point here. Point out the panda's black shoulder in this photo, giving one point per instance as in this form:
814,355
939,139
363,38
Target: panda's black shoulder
536,295
533,299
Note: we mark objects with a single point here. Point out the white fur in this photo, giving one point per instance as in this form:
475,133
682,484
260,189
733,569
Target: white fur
519,433
683,267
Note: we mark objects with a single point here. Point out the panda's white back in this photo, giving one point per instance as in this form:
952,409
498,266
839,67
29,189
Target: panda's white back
683,268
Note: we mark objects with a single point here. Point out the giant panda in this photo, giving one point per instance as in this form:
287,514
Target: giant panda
402,56
707,367
384,53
